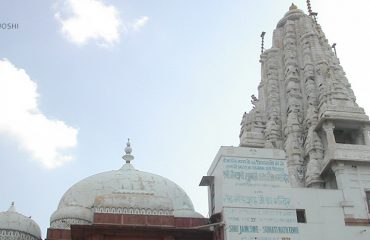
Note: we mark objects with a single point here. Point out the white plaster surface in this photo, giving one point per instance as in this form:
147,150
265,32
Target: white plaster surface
248,209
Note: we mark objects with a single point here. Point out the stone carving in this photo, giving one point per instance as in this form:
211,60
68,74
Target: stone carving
294,120
293,90
273,109
301,172
291,72
309,72
314,152
245,124
272,133
254,100
252,129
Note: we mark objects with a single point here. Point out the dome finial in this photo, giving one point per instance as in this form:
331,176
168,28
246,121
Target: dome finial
128,150
293,7
11,208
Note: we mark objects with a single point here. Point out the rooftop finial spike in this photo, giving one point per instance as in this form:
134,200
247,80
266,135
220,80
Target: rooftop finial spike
310,13
334,48
263,41
11,208
128,150
309,7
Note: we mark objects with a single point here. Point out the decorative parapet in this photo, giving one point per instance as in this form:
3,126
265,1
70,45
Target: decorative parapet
66,223
9,234
136,211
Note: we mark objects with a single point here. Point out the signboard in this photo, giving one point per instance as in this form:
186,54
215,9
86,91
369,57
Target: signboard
255,172
255,206
256,198
260,224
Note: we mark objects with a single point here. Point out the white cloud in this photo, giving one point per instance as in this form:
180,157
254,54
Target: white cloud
139,23
45,139
85,20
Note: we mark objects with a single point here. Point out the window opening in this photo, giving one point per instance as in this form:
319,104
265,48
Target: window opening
348,136
368,200
212,190
301,215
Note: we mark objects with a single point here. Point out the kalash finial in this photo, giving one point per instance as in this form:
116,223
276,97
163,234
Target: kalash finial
128,150
293,7
11,208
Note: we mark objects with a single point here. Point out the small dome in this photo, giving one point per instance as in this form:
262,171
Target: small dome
123,191
14,225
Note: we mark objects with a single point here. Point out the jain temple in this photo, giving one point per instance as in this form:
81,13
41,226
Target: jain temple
301,171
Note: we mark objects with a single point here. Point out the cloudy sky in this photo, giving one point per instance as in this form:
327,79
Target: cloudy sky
79,77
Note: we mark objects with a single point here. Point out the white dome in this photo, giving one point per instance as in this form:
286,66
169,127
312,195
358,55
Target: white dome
15,226
126,190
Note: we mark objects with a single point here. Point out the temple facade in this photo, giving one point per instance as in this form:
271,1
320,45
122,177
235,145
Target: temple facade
302,169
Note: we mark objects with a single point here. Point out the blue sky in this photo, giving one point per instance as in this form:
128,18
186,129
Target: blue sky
174,76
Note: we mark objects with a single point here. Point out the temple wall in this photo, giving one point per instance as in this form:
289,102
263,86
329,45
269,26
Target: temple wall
256,199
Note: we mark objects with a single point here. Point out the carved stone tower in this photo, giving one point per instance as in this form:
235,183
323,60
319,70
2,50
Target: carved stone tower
306,106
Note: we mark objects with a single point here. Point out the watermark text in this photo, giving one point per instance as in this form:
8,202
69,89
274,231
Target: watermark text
9,26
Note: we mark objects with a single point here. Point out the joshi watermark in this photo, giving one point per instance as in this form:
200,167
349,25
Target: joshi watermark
9,26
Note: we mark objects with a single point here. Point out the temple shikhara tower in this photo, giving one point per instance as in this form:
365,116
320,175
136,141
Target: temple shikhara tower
305,104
